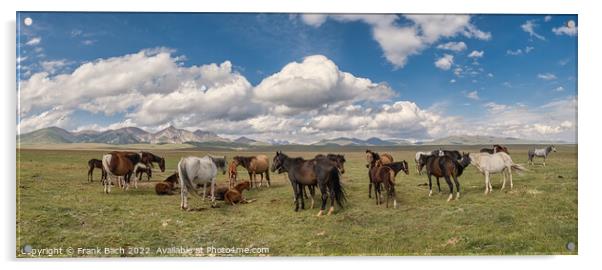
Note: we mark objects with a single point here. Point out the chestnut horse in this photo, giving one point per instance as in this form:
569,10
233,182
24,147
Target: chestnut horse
120,163
234,195
93,164
372,157
259,164
232,173
382,175
168,185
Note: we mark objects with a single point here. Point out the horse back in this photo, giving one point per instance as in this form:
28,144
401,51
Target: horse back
260,164
386,158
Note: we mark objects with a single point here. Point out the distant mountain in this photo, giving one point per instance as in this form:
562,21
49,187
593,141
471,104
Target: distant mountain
127,135
249,141
484,140
344,141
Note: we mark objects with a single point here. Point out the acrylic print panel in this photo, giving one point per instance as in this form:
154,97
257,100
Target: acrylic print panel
198,134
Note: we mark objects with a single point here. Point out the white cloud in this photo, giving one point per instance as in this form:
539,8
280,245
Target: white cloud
490,75
529,27
452,80
316,82
53,66
559,89
546,76
34,41
515,52
445,62
528,49
453,46
399,41
474,95
56,116
570,29
476,54
547,18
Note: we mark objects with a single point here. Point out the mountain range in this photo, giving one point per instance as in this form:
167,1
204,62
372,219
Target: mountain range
173,135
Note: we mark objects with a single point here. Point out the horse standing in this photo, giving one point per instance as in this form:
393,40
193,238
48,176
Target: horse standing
496,148
93,164
255,165
417,160
383,175
232,173
454,154
194,172
543,152
322,172
495,163
373,156
120,163
447,167
148,159
168,185
143,169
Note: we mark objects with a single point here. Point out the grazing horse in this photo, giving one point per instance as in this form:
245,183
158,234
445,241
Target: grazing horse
195,172
93,164
234,195
544,152
417,159
496,148
149,158
322,172
499,162
120,163
447,167
383,175
339,161
232,173
142,169
370,157
168,185
255,165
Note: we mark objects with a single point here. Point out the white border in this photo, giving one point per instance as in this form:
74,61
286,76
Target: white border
589,143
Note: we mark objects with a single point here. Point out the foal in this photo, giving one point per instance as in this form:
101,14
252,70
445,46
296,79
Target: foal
93,164
142,169
232,173
168,185
379,175
234,195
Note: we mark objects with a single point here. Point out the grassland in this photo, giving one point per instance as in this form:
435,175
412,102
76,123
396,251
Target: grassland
57,207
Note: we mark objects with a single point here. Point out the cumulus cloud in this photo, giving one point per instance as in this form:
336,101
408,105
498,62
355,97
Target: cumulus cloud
445,62
546,76
476,54
529,27
453,46
570,29
399,41
474,95
547,18
34,41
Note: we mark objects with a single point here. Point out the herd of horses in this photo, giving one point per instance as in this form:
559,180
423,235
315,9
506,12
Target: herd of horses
305,175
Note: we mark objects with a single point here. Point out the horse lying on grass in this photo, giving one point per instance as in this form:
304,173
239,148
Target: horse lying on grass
168,186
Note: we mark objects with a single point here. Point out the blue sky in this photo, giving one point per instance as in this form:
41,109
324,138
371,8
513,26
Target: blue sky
301,77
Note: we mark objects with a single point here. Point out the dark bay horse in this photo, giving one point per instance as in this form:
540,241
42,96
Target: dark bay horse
496,148
120,163
259,164
454,154
447,167
383,175
372,157
148,159
301,172
143,169
339,161
168,185
93,164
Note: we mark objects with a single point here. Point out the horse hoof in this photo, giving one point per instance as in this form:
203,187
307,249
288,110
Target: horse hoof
320,213
330,211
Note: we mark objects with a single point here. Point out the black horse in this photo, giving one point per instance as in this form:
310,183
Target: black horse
321,172
454,154
447,167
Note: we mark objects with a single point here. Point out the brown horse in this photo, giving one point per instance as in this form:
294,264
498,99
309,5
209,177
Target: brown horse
447,167
373,157
232,173
383,175
234,195
168,185
259,164
93,164
120,163
140,170
496,148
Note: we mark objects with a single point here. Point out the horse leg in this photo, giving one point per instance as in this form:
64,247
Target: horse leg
544,161
213,192
487,182
251,179
184,197
267,177
296,194
438,185
430,185
204,191
504,178
457,187
332,197
90,177
510,176
312,192
261,181
451,188
324,193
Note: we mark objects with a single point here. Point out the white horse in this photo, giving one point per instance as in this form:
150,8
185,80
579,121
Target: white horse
194,172
499,162
544,152
417,159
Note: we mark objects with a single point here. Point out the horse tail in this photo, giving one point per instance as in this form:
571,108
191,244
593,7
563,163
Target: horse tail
184,180
519,168
337,188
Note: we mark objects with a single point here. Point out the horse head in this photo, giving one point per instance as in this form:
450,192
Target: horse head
161,164
553,148
422,162
278,161
220,163
465,160
405,167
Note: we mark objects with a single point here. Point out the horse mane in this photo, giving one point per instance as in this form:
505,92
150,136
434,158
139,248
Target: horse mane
244,161
220,162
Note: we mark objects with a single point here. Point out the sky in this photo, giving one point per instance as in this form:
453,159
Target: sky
300,77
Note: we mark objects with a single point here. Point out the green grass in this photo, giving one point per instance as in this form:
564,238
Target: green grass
57,207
